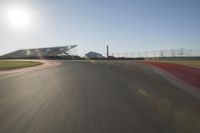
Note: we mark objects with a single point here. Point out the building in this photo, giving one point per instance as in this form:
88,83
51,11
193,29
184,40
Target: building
65,51
92,54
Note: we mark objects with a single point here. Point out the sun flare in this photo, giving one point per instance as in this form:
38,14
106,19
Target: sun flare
18,17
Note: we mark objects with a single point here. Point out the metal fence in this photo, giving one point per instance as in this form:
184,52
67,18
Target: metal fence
160,53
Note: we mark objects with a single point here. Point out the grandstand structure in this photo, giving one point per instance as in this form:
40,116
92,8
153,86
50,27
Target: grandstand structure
38,53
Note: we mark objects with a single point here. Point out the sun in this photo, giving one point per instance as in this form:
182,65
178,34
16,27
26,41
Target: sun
18,17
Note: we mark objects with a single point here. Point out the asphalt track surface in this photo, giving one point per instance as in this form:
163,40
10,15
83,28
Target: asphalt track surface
95,97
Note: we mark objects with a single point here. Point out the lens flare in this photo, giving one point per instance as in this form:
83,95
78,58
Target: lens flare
18,17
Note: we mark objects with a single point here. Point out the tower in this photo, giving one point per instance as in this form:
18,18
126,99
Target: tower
107,51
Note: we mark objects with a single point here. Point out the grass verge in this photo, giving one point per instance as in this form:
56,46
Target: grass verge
9,65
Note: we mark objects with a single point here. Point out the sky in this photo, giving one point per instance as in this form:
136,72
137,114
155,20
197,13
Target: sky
124,25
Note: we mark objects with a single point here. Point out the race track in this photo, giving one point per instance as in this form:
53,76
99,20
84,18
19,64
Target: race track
95,97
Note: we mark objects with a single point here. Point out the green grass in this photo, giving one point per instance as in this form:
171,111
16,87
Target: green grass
9,65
